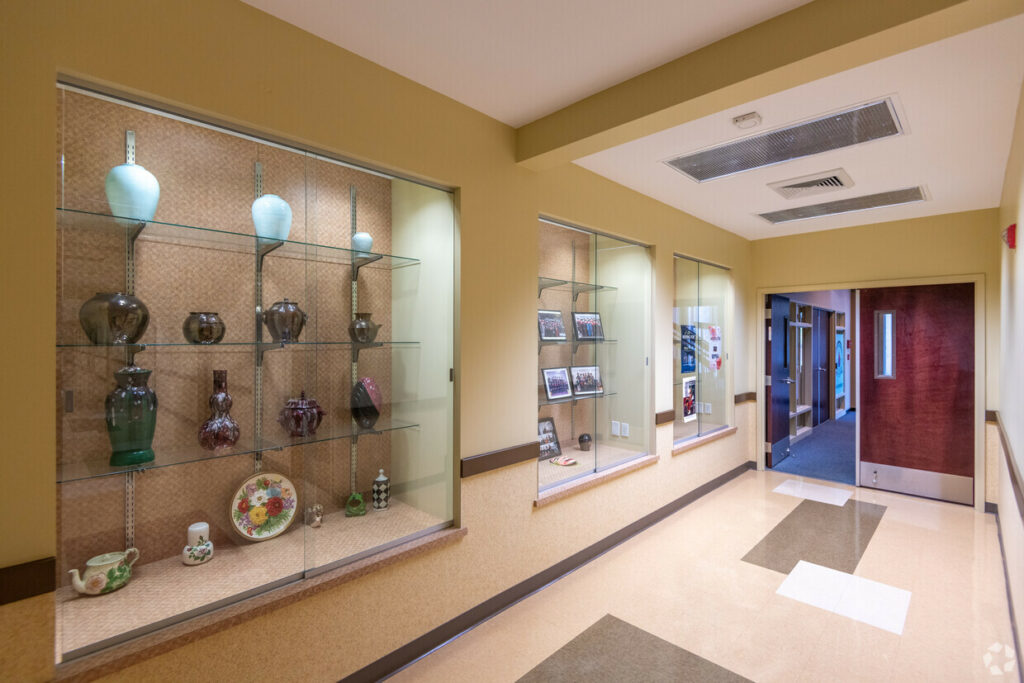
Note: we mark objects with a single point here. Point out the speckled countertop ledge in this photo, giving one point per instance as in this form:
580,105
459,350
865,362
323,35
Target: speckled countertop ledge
584,483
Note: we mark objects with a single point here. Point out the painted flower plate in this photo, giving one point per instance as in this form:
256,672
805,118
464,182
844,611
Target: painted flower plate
264,506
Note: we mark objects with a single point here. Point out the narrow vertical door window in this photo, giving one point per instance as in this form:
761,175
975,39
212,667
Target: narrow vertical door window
884,367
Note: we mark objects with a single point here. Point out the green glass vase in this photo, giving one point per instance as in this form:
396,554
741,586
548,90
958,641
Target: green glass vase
131,417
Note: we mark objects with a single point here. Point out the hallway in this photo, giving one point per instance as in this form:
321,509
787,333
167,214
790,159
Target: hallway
828,453
824,583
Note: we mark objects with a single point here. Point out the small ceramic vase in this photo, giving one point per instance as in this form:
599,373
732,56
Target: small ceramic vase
355,506
131,417
363,330
301,416
132,193
366,402
284,321
362,243
203,328
200,548
316,516
585,440
221,430
381,492
105,573
272,217
114,318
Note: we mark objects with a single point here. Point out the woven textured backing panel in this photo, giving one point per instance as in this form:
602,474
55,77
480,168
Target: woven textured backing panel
871,201
206,180
842,129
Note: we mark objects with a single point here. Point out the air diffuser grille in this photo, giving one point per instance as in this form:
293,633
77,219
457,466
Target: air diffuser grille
871,201
859,124
809,185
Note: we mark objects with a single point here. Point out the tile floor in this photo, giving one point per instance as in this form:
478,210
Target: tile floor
925,601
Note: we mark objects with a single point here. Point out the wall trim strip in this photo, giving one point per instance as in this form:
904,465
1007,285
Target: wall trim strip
485,462
1009,596
410,652
664,417
748,396
28,579
990,415
1011,466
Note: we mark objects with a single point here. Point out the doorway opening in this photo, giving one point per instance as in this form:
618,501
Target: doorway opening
809,418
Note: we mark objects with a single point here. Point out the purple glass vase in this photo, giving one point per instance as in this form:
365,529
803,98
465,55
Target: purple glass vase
221,430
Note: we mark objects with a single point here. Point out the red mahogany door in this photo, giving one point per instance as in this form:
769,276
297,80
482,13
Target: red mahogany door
917,390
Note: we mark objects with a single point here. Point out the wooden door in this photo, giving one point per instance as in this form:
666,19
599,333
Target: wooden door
917,390
820,392
778,403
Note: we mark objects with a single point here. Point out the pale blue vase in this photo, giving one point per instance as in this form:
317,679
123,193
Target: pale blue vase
272,217
132,193
362,243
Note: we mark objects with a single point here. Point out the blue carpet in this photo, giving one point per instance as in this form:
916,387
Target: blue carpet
828,453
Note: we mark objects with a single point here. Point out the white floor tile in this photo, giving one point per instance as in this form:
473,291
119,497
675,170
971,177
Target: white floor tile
875,603
822,494
815,585
860,599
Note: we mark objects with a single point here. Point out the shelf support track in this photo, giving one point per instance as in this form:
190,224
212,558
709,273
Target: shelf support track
129,508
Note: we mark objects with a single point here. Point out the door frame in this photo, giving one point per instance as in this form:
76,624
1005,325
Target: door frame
980,367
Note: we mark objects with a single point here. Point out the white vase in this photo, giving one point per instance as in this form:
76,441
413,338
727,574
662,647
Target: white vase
132,193
362,243
200,548
272,217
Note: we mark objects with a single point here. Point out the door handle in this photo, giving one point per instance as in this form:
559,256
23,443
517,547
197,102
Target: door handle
788,380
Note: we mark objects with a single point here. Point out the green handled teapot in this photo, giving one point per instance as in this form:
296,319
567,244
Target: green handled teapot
105,573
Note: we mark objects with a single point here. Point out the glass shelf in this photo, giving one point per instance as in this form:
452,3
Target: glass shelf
566,342
573,399
212,238
569,286
183,455
267,344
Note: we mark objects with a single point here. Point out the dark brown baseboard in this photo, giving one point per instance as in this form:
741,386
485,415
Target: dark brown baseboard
27,580
664,417
748,396
410,652
990,415
485,462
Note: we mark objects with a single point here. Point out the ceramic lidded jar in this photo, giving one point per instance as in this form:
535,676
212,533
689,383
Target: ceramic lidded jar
366,402
132,193
363,330
272,217
301,416
221,430
381,492
585,441
114,318
284,321
131,417
203,328
200,548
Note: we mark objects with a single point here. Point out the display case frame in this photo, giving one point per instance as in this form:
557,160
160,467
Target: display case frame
201,246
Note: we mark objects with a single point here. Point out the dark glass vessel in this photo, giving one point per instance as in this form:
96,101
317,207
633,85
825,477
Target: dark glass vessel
131,417
221,430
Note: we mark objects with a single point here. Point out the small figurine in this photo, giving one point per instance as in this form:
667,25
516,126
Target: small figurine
200,548
316,516
355,506
381,492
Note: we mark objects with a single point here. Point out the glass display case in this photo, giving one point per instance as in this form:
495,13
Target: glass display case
254,347
700,330
593,341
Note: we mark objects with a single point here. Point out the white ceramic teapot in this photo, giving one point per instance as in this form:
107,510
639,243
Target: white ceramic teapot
105,573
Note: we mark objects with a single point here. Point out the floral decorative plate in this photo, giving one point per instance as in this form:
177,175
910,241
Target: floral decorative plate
263,506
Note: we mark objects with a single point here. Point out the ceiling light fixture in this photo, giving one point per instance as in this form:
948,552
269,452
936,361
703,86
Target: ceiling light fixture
749,120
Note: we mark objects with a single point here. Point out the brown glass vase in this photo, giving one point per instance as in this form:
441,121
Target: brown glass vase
221,430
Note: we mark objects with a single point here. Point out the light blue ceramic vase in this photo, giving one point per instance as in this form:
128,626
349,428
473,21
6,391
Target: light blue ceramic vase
272,217
132,193
362,243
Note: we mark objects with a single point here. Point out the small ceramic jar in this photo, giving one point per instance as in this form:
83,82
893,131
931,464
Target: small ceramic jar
200,548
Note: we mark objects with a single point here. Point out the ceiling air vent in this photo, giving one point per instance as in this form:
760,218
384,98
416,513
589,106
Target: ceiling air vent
818,183
850,127
871,201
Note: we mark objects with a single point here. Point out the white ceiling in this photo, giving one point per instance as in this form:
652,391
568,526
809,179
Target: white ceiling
517,61
956,99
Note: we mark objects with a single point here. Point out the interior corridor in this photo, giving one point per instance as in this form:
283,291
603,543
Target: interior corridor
829,452
770,577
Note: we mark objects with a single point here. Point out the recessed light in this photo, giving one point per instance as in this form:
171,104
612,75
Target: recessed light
748,120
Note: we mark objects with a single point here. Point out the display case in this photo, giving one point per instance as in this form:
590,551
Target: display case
254,353
702,315
593,341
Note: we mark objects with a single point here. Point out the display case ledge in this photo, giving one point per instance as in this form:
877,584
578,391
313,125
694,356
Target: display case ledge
567,489
699,441
117,657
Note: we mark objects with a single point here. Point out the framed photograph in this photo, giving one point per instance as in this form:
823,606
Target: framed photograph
548,437
551,325
556,383
586,379
587,326
688,349
689,399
